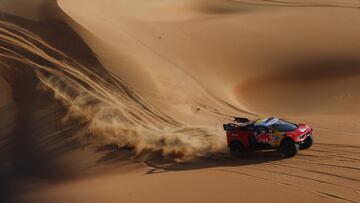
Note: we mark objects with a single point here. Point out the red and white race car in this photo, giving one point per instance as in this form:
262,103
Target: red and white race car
268,133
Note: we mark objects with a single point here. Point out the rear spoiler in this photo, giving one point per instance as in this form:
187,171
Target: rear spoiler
241,120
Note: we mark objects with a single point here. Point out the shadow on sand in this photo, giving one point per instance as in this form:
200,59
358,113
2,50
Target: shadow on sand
218,160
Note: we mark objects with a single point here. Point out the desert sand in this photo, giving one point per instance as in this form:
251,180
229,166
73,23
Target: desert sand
124,100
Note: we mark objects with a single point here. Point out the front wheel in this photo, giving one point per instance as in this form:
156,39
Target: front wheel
289,148
308,142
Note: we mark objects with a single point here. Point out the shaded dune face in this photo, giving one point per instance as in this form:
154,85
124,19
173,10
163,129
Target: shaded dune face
5,93
215,7
309,86
324,67
37,141
35,9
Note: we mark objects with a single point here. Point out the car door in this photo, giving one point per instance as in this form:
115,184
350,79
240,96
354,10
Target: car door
263,134
276,137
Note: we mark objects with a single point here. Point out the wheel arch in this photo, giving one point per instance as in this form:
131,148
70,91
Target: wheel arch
235,142
287,138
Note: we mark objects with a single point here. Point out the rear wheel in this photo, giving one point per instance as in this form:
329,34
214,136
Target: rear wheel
308,142
236,148
252,142
289,148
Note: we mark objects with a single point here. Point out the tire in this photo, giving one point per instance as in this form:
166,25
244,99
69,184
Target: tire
252,142
289,148
236,149
308,142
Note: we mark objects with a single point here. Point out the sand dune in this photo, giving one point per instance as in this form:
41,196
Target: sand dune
240,43
103,100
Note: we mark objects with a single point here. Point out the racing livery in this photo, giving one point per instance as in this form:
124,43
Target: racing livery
268,133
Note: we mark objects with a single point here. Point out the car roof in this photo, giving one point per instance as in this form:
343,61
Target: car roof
266,122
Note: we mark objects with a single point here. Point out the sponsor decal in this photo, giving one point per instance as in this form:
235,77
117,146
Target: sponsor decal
276,138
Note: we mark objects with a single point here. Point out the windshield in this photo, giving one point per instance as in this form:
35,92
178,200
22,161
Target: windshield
284,126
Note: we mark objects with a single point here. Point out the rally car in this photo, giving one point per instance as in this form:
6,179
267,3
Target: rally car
244,135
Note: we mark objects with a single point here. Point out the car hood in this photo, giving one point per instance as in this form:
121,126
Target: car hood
302,129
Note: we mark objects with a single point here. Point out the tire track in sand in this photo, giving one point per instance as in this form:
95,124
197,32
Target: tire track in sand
315,171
